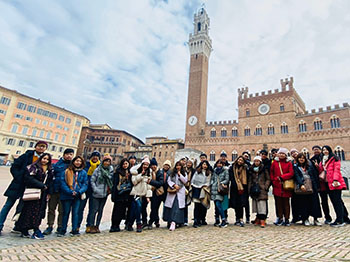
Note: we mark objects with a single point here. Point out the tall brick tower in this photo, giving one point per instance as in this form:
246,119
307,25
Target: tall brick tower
200,49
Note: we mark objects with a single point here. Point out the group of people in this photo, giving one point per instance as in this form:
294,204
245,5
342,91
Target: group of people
71,184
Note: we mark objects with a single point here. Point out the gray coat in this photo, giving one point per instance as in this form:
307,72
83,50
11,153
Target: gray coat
99,190
223,178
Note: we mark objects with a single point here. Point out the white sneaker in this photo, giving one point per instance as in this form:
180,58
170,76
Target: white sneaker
317,223
306,222
172,226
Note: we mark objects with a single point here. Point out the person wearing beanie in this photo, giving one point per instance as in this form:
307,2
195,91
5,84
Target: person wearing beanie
265,160
281,170
141,189
258,187
132,161
159,192
101,184
294,153
54,202
90,167
16,188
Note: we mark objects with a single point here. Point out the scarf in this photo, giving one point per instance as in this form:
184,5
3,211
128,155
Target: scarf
200,180
104,178
93,166
324,160
240,176
218,170
69,177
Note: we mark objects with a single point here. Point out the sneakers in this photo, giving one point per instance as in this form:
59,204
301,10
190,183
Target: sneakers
337,224
247,221
306,223
38,235
48,231
60,234
114,229
172,226
223,224
75,233
58,230
129,228
317,223
15,230
239,223
158,225
144,225
328,222
217,223
195,224
278,222
204,223
139,228
262,223
287,223
25,234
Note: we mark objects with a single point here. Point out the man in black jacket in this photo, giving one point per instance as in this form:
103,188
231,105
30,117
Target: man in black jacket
157,198
18,169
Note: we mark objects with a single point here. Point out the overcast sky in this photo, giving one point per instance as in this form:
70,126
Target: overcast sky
126,63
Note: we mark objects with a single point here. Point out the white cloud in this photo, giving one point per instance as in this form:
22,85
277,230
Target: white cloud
129,62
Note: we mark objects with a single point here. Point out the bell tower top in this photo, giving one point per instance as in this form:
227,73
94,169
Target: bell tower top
200,41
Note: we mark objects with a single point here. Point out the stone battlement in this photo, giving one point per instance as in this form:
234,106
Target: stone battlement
327,109
214,123
286,85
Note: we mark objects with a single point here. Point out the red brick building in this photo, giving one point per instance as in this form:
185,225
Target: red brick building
266,120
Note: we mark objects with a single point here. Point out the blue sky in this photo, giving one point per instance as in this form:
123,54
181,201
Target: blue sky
126,63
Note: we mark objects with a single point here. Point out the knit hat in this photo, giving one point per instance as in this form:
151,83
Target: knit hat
283,150
146,160
223,154
106,158
318,147
263,151
257,158
167,162
153,162
132,157
41,142
293,150
95,153
68,151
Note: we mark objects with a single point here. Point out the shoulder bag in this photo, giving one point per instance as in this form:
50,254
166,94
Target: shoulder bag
287,184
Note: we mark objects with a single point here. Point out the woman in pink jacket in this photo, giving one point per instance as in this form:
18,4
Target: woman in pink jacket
330,164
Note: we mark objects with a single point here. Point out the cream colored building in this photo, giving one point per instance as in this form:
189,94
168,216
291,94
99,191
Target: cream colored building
25,120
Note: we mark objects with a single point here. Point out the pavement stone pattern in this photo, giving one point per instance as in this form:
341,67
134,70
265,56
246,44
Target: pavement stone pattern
207,243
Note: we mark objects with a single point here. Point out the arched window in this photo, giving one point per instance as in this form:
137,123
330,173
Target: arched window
339,151
306,152
247,112
258,130
270,129
302,126
282,107
234,132
213,132
318,124
247,131
284,128
335,122
199,27
223,132
212,156
234,155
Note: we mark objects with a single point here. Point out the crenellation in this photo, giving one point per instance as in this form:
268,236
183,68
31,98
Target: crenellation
256,94
277,91
269,92
320,110
263,93
328,108
220,123
346,105
250,95
336,106
313,111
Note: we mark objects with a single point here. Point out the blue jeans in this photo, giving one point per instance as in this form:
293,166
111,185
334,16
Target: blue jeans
5,210
69,205
136,207
220,210
82,208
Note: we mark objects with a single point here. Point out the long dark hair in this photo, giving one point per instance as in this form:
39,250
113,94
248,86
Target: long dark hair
306,163
174,172
49,164
236,161
200,168
120,169
139,170
72,167
331,154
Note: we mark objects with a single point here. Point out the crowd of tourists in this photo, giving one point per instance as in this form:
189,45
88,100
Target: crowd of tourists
299,184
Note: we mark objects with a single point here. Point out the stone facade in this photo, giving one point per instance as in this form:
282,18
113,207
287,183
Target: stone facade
268,120
105,139
25,120
165,150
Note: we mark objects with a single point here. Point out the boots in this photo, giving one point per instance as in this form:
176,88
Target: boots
93,230
139,228
262,223
257,221
88,230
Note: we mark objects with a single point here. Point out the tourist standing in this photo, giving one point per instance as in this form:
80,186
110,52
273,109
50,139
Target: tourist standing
307,202
73,188
281,170
18,169
190,172
39,175
58,173
258,185
201,193
239,188
331,164
101,184
121,195
174,207
219,189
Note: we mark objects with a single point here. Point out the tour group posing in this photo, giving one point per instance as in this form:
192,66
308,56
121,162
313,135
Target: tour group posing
299,184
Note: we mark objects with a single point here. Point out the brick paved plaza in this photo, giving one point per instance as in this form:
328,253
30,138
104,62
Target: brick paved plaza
296,243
